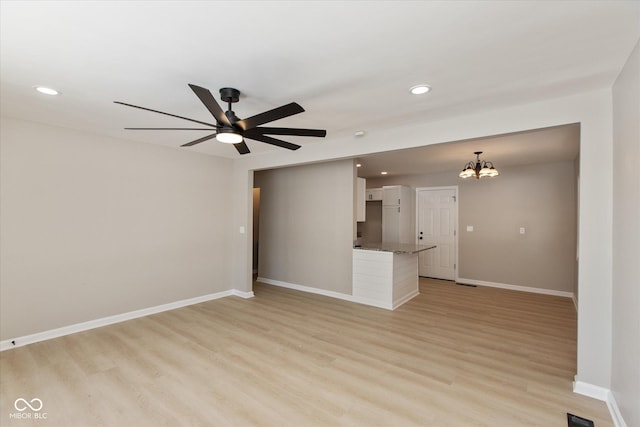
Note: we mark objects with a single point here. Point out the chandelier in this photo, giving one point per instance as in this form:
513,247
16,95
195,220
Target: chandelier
479,168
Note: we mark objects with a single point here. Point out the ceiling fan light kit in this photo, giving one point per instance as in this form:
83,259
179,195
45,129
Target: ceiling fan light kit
228,137
479,169
230,129
227,134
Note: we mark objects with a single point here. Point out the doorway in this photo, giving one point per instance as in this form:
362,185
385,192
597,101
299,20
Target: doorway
256,230
436,224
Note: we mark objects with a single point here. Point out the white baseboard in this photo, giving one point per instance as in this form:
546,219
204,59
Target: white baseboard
337,295
97,323
603,394
326,293
618,421
242,294
401,301
590,390
308,289
516,287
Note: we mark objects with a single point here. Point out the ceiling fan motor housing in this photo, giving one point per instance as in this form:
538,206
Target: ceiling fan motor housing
231,116
229,94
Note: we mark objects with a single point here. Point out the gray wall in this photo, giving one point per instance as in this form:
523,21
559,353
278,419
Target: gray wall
625,375
307,225
371,229
93,227
541,198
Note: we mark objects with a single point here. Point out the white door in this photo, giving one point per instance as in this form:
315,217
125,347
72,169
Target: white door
436,213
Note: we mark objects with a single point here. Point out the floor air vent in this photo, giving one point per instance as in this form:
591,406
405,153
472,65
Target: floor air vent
576,421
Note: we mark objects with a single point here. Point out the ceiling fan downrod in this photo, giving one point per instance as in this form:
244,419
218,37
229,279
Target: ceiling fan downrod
230,96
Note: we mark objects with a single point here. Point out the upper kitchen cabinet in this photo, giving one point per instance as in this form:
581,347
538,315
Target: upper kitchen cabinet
374,194
391,195
396,195
398,214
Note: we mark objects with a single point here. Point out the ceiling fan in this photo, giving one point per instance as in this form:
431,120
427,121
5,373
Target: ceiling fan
230,129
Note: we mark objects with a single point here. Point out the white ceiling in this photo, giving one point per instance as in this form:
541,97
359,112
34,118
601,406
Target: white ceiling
554,144
349,64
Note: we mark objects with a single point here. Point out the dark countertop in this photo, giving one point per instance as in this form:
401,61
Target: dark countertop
396,248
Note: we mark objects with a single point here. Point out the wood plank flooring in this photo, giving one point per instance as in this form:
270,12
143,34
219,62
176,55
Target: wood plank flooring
453,356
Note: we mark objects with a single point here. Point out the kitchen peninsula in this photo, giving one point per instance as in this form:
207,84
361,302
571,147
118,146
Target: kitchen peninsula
385,275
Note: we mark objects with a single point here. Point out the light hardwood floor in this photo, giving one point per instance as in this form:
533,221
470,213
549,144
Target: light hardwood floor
453,356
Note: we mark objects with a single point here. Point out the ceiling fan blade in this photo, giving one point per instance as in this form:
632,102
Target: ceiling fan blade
199,140
272,141
210,102
166,114
209,129
242,148
287,131
270,116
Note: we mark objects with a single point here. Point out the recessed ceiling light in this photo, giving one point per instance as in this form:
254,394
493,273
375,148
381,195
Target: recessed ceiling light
420,89
383,173
359,133
46,90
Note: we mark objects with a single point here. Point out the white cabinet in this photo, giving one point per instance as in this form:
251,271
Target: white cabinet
398,214
384,279
361,206
391,224
373,194
392,195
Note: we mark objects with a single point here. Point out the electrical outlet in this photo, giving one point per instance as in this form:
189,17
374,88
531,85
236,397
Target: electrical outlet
469,227
521,230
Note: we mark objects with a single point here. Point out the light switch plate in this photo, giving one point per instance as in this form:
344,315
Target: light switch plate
521,230
469,227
